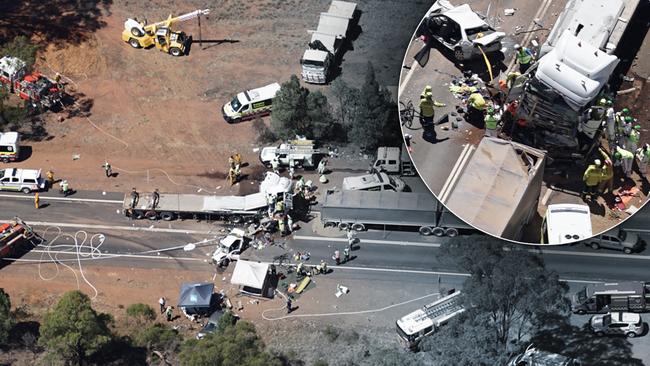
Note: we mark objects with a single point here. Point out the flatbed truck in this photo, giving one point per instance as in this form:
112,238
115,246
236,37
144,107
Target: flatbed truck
357,210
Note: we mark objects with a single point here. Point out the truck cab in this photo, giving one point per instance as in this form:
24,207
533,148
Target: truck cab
566,223
617,239
230,247
9,146
374,182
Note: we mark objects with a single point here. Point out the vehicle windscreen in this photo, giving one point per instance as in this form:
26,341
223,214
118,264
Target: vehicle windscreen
473,32
312,63
404,336
235,104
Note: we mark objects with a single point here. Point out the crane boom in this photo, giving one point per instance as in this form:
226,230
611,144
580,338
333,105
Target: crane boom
181,18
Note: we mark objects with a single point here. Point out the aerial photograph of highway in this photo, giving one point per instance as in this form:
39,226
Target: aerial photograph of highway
324,182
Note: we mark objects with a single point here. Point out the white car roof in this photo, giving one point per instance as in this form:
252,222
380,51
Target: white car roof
22,173
364,181
465,17
8,138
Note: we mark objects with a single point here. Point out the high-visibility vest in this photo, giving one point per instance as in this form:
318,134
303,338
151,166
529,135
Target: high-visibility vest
592,175
476,101
427,89
490,122
634,136
523,57
624,153
426,107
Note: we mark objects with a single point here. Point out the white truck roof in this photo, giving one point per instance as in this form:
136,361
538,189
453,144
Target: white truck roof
315,55
9,138
11,65
333,24
343,9
328,40
567,223
576,70
434,314
263,93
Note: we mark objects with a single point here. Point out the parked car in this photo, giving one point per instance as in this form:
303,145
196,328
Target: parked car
459,29
617,239
374,182
211,326
617,323
21,180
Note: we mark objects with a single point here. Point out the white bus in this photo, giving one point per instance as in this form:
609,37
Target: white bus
413,327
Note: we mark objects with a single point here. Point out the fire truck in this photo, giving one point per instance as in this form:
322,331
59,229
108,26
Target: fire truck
13,235
33,87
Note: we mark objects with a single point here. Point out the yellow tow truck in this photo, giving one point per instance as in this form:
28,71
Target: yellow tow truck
139,34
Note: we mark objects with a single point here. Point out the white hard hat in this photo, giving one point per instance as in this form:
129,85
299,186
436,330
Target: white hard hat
597,162
517,46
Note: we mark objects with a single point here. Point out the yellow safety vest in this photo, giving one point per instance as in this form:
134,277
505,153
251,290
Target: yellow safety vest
592,175
476,101
523,57
624,153
426,107
490,122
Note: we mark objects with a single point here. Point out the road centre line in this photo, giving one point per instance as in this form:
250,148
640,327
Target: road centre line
437,245
111,227
70,199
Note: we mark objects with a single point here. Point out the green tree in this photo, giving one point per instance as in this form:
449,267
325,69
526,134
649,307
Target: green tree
6,318
141,312
289,115
372,117
73,330
22,48
319,117
508,296
237,345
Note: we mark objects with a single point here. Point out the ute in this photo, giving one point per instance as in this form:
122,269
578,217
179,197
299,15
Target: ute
230,247
139,34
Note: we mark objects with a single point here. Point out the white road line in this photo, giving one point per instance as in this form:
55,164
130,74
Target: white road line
437,245
69,199
112,227
371,241
408,76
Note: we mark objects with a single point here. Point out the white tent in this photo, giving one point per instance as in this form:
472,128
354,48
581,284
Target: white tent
250,274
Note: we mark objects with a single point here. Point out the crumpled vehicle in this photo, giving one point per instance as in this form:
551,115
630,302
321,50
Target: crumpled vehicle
460,30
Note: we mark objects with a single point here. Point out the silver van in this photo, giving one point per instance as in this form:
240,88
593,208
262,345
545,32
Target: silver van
374,182
617,239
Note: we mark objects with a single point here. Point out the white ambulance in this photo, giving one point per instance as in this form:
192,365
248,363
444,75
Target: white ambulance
250,104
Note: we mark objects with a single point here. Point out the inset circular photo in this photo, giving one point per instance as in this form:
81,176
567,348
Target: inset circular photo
522,121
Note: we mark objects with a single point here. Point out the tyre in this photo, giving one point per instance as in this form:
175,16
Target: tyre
26,190
627,250
151,215
426,231
235,219
451,232
5,159
438,231
630,334
175,51
329,224
138,215
136,32
358,227
458,54
134,43
581,312
344,225
167,216
600,334
595,245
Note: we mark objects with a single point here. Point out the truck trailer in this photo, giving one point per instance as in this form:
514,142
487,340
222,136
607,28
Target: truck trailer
631,296
327,42
235,209
357,210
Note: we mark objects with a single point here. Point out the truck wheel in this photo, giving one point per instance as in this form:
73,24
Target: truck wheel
151,215
5,159
438,231
458,54
595,245
235,219
451,232
425,230
26,190
581,312
600,334
358,227
630,334
175,51
134,43
329,224
627,251
167,216
344,225
138,215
